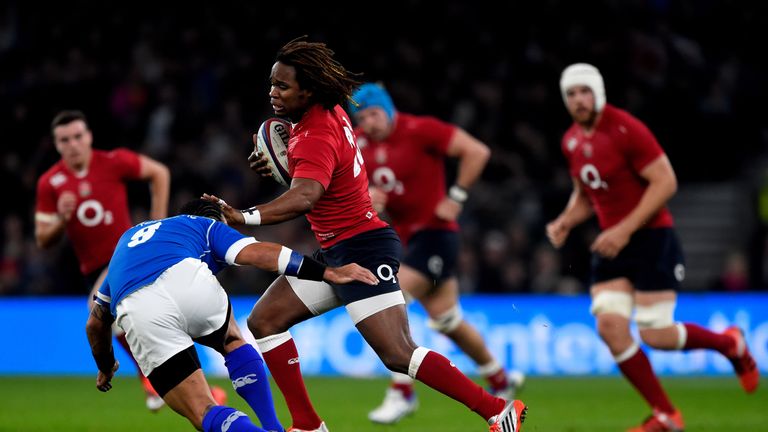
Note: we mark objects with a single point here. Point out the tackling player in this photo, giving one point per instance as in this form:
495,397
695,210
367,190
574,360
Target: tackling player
161,290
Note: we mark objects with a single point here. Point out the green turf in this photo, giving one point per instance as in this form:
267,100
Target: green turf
556,404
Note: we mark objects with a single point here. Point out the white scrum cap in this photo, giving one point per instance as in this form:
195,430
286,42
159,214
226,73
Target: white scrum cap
584,74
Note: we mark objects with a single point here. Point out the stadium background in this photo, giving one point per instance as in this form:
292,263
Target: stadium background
188,85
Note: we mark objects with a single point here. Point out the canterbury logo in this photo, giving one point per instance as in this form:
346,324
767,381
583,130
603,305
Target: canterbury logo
231,419
244,381
293,360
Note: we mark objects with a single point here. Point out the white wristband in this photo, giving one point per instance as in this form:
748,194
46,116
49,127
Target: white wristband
251,216
458,194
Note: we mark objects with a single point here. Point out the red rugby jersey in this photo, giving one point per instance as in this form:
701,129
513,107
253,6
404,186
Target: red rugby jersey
322,148
101,214
409,165
608,163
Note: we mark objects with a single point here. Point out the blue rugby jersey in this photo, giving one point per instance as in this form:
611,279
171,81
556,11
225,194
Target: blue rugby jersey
145,251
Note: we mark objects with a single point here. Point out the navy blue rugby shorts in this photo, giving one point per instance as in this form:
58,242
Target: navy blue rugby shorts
652,260
433,253
377,250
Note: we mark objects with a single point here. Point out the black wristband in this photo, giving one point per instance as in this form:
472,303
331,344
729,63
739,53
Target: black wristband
105,362
311,269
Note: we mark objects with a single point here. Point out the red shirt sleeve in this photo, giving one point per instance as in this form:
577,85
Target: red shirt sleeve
314,159
642,147
126,163
46,196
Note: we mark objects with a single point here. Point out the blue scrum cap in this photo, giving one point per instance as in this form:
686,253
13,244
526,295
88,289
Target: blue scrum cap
372,95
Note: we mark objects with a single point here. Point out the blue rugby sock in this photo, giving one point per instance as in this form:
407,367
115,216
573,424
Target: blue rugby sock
246,370
223,418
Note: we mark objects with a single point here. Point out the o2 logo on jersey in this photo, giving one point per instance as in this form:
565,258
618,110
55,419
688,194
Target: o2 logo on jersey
144,234
358,168
591,177
384,178
91,213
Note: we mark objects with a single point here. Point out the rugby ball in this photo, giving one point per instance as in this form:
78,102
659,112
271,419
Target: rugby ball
272,142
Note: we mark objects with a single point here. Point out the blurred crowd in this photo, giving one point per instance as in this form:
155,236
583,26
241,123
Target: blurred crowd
189,87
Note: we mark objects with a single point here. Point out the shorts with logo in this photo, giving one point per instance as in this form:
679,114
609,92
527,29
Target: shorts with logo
433,253
652,260
377,250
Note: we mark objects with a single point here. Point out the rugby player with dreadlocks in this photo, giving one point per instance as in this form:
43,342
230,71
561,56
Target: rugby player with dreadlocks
330,186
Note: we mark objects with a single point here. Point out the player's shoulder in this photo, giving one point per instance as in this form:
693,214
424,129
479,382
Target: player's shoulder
322,125
185,219
621,118
569,135
116,153
55,176
417,121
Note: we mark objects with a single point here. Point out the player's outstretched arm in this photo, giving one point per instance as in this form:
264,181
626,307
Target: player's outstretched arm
99,332
274,257
296,201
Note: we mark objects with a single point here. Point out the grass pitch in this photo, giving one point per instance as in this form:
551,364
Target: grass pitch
556,405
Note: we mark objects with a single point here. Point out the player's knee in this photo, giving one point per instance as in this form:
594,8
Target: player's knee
657,316
261,325
613,329
396,359
612,302
612,310
654,323
651,337
448,321
395,363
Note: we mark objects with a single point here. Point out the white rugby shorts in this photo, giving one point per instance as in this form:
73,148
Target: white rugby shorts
161,319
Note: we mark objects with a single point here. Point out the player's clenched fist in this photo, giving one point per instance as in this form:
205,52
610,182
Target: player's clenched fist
66,205
557,232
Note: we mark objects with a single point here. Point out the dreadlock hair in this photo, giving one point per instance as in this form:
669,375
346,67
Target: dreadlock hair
316,70
201,207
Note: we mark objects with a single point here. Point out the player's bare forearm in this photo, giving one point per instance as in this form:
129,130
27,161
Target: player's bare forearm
48,234
99,332
159,178
300,199
160,190
263,255
473,157
578,209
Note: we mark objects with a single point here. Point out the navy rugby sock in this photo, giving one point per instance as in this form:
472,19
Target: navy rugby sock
246,370
223,418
